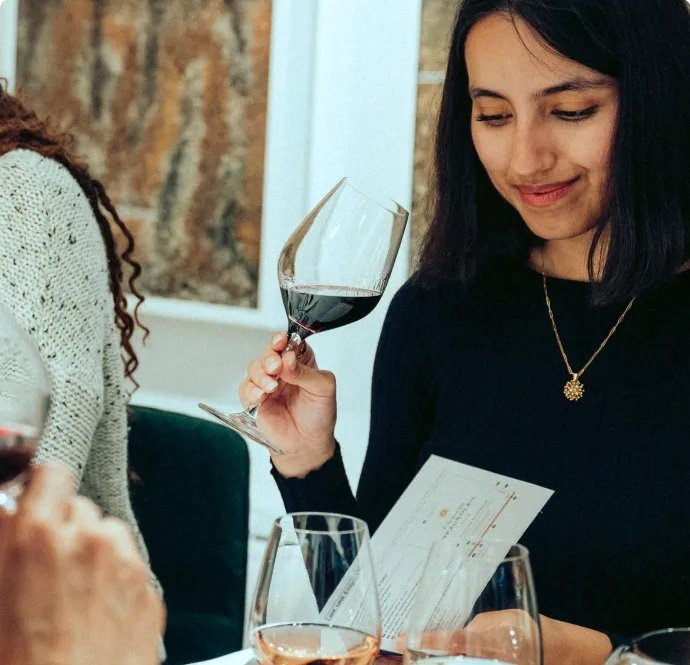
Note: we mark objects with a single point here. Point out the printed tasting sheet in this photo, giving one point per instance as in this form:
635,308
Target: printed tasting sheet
446,500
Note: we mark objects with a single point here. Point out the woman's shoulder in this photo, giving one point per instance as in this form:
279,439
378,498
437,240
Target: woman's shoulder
419,304
23,160
31,170
31,182
501,277
418,294
449,304
418,290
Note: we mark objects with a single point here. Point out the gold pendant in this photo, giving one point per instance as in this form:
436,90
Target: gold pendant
573,389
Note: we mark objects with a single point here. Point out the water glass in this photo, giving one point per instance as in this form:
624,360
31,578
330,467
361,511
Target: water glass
475,605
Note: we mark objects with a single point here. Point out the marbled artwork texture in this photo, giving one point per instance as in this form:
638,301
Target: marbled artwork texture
167,102
437,23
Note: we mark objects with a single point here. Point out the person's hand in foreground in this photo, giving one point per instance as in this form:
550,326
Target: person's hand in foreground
74,589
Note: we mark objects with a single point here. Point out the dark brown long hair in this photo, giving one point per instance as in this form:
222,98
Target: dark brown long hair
645,45
22,128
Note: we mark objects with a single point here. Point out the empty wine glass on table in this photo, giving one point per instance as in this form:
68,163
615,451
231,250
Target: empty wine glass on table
316,597
24,404
670,646
475,605
332,271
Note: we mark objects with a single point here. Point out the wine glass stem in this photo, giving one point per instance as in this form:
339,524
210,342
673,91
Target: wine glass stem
296,344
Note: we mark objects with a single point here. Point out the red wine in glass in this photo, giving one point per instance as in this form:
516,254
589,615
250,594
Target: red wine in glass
24,405
332,271
313,308
17,448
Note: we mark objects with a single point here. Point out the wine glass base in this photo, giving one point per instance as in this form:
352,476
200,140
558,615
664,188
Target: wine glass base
242,423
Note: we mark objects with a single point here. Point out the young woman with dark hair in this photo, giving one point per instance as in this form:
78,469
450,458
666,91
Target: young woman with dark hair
545,332
62,277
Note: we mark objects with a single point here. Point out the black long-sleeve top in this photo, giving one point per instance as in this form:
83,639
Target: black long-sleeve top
477,377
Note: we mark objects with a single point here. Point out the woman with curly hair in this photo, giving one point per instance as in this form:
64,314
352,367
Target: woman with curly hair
62,278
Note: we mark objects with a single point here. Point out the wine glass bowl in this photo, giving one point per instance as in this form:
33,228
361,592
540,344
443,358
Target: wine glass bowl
24,404
332,271
670,646
316,597
335,266
475,605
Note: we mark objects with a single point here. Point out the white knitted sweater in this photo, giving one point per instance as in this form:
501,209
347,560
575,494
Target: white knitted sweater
54,279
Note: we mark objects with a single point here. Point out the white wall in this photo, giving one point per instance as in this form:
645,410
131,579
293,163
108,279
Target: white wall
8,40
341,102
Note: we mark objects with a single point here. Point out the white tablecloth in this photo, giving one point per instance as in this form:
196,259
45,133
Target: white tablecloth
235,658
244,656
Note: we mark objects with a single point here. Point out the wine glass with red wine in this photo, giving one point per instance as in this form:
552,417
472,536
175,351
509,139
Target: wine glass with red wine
332,271
24,404
316,600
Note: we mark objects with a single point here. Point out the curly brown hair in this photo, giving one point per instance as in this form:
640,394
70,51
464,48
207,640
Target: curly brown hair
22,128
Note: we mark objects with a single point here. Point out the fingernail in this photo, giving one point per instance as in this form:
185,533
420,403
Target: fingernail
269,385
276,338
257,394
272,364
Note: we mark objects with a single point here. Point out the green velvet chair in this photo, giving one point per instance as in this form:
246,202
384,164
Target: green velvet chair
190,493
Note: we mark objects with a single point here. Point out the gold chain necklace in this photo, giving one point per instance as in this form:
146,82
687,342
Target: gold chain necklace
574,389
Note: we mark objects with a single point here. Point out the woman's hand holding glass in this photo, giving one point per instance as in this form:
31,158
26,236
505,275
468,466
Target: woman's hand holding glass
332,271
298,408
24,403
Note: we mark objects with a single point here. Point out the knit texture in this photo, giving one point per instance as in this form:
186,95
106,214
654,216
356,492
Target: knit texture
54,279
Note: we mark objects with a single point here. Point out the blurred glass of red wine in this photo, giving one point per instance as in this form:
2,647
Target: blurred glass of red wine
17,448
24,405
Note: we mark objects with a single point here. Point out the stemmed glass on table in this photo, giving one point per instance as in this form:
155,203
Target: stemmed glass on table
24,404
475,605
332,271
316,597
670,646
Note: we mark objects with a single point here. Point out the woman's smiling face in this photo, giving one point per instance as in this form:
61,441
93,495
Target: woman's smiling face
542,126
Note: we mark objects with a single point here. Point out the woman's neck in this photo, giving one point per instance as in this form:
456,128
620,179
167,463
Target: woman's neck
567,259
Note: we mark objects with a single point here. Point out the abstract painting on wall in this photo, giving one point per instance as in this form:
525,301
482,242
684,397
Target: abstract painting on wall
436,24
166,100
